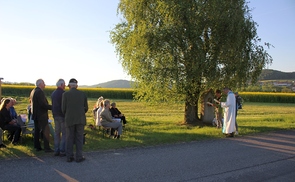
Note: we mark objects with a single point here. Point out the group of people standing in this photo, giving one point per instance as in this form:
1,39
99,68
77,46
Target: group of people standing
68,110
226,111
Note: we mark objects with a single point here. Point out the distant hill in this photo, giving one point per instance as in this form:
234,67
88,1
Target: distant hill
114,84
268,74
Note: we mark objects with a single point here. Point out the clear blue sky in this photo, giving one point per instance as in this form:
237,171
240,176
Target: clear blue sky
70,39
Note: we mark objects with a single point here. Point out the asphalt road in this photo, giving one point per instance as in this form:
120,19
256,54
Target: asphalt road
263,157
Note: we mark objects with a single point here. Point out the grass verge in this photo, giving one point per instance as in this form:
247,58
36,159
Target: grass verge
148,126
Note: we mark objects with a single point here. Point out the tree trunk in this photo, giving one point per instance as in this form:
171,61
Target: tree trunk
191,114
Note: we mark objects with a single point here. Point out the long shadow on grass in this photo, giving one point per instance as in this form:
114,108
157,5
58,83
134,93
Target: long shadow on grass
24,149
144,133
135,134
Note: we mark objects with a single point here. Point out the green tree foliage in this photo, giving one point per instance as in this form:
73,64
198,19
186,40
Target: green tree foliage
176,50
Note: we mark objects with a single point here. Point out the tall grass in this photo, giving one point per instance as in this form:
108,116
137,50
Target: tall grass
270,97
262,117
149,126
121,93
24,91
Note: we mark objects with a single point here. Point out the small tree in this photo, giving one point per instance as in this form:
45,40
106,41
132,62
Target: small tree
175,50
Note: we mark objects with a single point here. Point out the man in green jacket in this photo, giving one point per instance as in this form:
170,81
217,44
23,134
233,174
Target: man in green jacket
74,107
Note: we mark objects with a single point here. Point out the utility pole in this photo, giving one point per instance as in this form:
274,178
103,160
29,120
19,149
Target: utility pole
1,88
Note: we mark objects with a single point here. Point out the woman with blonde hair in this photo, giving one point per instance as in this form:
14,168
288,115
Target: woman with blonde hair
96,107
107,120
97,119
7,123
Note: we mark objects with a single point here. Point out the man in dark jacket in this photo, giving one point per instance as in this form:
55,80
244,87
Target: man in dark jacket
74,107
39,111
59,119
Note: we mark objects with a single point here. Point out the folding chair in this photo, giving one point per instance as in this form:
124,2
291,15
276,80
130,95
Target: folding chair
105,131
3,133
26,129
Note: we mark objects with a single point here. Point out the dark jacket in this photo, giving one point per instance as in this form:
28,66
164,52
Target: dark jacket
56,99
74,107
115,111
5,117
40,105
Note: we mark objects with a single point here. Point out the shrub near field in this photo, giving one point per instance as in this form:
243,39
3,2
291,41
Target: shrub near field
24,91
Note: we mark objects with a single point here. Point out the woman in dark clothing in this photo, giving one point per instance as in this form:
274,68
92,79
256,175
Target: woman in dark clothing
116,113
7,123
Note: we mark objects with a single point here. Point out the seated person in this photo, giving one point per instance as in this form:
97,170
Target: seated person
29,111
97,121
1,143
95,108
7,123
107,120
116,113
16,117
12,111
1,134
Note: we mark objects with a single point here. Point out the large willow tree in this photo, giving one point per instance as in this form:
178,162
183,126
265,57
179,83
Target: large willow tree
177,49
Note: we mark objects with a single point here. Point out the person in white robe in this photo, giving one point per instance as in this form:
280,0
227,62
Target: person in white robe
229,113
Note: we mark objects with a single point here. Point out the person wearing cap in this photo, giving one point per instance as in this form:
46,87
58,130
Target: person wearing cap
74,107
39,110
229,113
59,119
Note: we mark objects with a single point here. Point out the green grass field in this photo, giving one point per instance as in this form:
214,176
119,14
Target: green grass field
148,126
